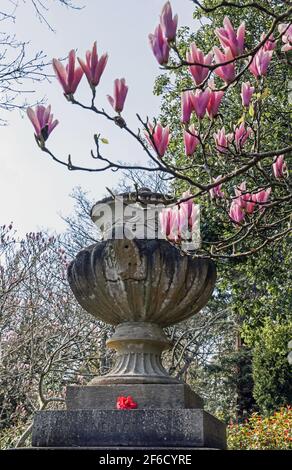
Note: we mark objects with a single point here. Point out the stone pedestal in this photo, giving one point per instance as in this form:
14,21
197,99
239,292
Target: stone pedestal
140,286
168,416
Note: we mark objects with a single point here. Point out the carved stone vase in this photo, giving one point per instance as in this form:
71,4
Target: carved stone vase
140,286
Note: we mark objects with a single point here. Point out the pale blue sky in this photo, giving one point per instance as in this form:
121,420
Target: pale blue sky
34,190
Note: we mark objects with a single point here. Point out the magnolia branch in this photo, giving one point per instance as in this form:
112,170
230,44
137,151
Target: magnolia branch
225,3
221,158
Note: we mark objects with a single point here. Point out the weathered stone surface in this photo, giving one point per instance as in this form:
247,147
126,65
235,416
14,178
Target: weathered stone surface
141,286
148,396
140,280
128,428
139,346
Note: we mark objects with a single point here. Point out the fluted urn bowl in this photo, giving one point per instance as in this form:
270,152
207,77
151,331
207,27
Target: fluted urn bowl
121,281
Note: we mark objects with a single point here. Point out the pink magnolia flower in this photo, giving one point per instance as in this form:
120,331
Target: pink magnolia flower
42,121
250,200
188,225
279,167
246,93
245,200
70,76
270,44
214,102
188,216
239,190
160,138
186,106
196,56
194,218
191,140
216,192
262,196
120,93
159,45
165,218
170,223
236,214
222,140
226,72
285,30
177,222
183,216
168,23
200,100
187,205
229,38
94,67
241,135
260,63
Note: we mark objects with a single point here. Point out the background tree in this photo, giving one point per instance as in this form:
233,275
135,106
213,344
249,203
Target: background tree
46,340
271,370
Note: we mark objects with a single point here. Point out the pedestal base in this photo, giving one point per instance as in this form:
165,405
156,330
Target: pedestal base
168,416
148,396
128,428
138,360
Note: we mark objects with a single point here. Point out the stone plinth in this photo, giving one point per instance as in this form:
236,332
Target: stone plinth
168,416
148,396
128,428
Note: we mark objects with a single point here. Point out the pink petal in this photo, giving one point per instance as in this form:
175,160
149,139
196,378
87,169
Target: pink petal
71,68
61,74
34,120
85,69
77,77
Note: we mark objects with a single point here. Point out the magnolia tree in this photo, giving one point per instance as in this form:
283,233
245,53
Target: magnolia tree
226,164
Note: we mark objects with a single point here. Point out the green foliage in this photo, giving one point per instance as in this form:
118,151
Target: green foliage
258,433
260,290
260,287
271,370
226,384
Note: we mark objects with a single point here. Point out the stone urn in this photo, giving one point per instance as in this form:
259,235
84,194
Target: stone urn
140,283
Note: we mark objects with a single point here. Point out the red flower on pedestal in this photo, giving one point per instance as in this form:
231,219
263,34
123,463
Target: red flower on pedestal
126,403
